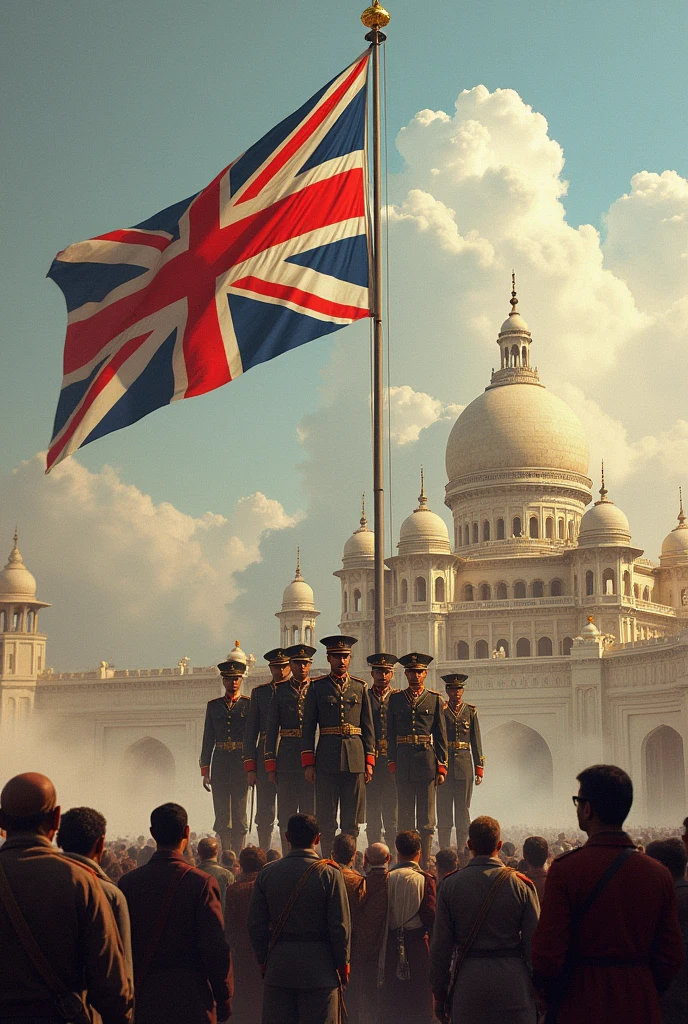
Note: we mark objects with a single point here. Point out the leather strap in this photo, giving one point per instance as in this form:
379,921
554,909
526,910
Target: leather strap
465,950
158,928
289,906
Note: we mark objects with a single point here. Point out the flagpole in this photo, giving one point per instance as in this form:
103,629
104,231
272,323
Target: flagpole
376,18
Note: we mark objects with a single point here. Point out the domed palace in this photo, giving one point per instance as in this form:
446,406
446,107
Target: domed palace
576,647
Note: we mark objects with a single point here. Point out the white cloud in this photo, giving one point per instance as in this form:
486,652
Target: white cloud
131,580
413,411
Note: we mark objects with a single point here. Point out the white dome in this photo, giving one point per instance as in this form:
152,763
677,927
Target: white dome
298,594
604,523
423,532
589,631
15,579
514,324
675,544
516,425
361,544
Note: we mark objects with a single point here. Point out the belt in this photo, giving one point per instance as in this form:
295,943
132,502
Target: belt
514,952
416,741
458,745
290,734
230,745
340,730
382,747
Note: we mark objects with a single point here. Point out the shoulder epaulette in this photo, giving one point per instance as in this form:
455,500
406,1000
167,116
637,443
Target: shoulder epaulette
436,692
261,686
319,679
471,706
524,878
215,700
567,853
357,679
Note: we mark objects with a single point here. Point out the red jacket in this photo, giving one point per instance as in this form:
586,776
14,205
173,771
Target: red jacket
634,920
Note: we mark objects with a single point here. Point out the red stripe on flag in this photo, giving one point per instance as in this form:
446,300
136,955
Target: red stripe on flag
300,298
307,129
128,236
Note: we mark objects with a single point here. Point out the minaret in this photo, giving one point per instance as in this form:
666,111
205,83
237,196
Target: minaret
22,647
357,577
514,342
298,614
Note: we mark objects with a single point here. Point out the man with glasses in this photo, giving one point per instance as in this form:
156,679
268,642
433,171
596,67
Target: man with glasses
608,939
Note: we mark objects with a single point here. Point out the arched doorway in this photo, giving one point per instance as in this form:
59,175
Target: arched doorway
519,775
148,767
664,774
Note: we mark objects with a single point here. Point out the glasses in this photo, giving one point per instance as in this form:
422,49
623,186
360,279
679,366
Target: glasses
579,800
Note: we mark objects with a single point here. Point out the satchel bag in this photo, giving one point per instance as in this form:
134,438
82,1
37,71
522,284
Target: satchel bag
69,1005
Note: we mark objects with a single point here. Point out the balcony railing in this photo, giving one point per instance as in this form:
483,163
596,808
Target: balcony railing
516,602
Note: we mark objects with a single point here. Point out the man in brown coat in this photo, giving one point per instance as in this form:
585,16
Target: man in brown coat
65,909
372,932
181,957
344,853
247,1002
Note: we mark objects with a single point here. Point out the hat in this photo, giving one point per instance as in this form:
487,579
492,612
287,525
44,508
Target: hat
232,668
339,644
415,660
300,652
382,660
277,657
455,679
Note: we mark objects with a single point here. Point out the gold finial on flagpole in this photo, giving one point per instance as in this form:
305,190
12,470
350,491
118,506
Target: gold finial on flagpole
376,17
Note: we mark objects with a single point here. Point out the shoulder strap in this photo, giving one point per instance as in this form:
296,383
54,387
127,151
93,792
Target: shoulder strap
158,928
291,902
602,884
25,936
477,925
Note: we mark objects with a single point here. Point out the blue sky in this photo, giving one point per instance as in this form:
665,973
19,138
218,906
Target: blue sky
112,112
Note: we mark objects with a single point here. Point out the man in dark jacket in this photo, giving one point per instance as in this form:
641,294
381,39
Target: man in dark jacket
611,964
300,928
283,734
339,705
65,909
247,1002
417,749
181,957
466,763
254,744
381,793
221,760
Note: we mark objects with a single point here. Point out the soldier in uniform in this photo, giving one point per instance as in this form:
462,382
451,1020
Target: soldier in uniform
466,762
254,740
221,754
283,735
339,704
417,749
381,793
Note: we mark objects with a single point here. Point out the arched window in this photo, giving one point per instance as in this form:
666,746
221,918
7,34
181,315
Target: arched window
500,529
571,531
566,645
556,588
608,581
468,592
501,592
549,528
516,526
544,647
345,602
29,622
3,622
636,591
560,529
295,638
404,591
627,583
16,619
439,589
646,593
481,649
467,535
519,589
523,647
514,355
502,645
533,527
462,651
308,635
286,633
538,588
357,601
420,591
589,583
524,356
476,534
371,600
485,592
486,530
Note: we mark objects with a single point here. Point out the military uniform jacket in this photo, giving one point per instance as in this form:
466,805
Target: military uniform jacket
283,753
256,723
345,706
423,719
462,728
225,723
380,710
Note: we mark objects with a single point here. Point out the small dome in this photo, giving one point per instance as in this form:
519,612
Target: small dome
675,544
590,631
514,324
361,544
298,594
15,579
423,532
604,523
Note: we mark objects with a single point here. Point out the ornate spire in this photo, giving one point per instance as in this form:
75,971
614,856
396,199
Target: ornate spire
422,500
681,515
363,521
603,489
15,555
513,300
298,575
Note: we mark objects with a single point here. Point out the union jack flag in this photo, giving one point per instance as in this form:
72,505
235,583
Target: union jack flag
271,255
